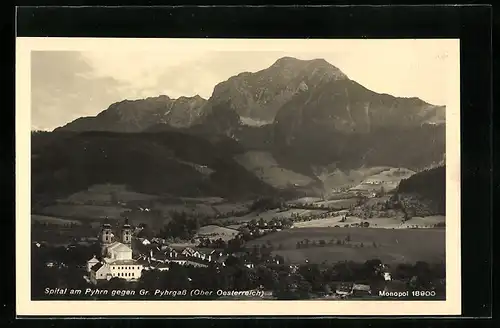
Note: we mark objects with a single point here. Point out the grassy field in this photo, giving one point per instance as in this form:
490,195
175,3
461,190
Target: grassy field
320,223
189,208
334,178
83,211
205,200
339,203
376,222
269,215
107,193
216,232
388,178
393,245
204,206
53,220
264,166
230,207
304,200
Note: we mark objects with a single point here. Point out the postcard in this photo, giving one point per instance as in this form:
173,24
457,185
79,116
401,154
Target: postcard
226,177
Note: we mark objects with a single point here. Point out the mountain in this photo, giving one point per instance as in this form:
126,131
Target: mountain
138,115
346,106
258,96
307,112
155,163
342,122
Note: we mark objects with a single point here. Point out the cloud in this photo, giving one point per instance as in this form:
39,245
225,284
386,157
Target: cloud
64,87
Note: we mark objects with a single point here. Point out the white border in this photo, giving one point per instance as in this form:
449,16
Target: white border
24,306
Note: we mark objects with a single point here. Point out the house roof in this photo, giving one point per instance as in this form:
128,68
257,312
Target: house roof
197,260
180,258
93,260
97,267
361,287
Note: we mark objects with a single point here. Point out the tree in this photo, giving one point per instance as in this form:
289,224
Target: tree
423,274
304,288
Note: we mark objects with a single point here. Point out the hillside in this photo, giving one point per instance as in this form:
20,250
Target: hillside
260,95
430,185
152,163
138,115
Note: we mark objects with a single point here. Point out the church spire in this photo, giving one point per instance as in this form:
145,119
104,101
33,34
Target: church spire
127,233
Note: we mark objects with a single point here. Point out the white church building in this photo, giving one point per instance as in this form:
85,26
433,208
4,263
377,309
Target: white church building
116,256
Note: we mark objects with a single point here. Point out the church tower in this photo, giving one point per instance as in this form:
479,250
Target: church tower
126,234
106,237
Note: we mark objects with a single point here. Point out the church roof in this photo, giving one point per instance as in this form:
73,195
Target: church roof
124,262
119,247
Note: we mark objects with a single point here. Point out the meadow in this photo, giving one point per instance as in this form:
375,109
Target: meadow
216,232
392,245
53,220
83,211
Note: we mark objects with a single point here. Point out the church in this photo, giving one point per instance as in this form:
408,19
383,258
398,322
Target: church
115,259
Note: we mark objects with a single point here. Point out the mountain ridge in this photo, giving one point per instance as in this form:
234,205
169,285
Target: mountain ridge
258,98
139,114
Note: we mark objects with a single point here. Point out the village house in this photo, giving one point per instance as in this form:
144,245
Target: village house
361,290
344,289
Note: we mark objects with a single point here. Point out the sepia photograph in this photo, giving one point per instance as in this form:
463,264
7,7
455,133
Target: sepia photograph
254,171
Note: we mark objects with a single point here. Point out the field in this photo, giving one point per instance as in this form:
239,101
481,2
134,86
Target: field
304,200
334,178
210,206
205,200
321,223
83,211
388,178
339,203
393,245
53,220
189,208
216,232
264,166
376,222
105,194
269,215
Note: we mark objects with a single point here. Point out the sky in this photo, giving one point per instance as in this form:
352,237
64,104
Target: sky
71,82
